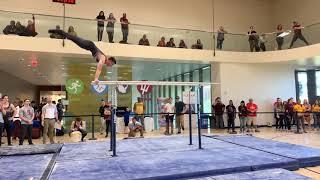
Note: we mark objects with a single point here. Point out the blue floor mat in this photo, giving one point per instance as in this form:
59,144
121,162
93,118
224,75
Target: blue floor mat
24,167
270,174
162,158
306,156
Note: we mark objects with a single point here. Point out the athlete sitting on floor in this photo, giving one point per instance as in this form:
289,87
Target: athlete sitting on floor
100,57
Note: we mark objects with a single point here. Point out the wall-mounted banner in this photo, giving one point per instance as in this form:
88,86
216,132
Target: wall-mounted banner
144,89
123,89
99,89
65,1
74,86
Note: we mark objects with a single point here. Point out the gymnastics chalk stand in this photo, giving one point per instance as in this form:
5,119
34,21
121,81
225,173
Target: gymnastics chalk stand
113,141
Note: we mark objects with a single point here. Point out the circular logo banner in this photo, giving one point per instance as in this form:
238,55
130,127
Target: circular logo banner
144,89
99,89
74,86
123,89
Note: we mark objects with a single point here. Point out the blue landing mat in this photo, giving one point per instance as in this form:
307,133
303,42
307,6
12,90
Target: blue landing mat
151,158
270,174
306,156
24,167
87,150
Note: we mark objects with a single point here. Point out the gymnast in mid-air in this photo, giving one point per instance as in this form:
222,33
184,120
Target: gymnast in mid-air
98,55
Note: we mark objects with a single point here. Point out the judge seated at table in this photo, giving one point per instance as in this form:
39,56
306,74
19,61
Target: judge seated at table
77,128
135,127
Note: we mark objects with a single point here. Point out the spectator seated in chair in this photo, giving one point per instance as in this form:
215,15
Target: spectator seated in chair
135,127
78,128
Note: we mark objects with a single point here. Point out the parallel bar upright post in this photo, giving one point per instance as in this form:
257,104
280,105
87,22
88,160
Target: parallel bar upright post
190,122
92,128
199,118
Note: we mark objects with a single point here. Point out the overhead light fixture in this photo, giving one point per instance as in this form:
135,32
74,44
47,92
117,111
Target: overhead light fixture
29,65
109,72
125,73
21,59
92,70
91,74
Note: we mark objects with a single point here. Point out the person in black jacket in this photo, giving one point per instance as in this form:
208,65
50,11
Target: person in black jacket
102,120
243,112
231,111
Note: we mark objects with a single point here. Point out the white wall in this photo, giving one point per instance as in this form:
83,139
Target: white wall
262,82
235,15
16,88
286,11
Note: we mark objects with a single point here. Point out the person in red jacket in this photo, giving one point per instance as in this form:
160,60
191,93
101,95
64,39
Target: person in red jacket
252,115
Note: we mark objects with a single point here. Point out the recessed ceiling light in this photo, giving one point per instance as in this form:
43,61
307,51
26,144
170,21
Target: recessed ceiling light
21,59
109,72
91,74
29,65
158,69
125,73
92,70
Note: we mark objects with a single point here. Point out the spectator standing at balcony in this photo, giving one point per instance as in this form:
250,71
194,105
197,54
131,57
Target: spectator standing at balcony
279,38
297,33
162,42
243,116
10,29
31,27
307,115
170,43
56,35
124,28
111,20
49,117
26,115
231,112
139,109
100,26
71,31
102,119
299,109
218,108
198,45
253,39
144,41
262,41
316,114
252,115
220,37
182,44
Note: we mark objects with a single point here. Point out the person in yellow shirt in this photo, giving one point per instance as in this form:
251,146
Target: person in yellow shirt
139,110
316,114
299,109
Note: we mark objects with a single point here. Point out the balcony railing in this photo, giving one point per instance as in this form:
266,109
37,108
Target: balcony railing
87,28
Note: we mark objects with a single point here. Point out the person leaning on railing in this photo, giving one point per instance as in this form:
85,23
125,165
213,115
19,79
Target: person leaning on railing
110,27
10,29
316,114
253,39
220,37
31,27
144,41
279,38
162,42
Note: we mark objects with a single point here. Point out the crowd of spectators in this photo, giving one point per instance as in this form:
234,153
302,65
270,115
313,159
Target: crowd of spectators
17,28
